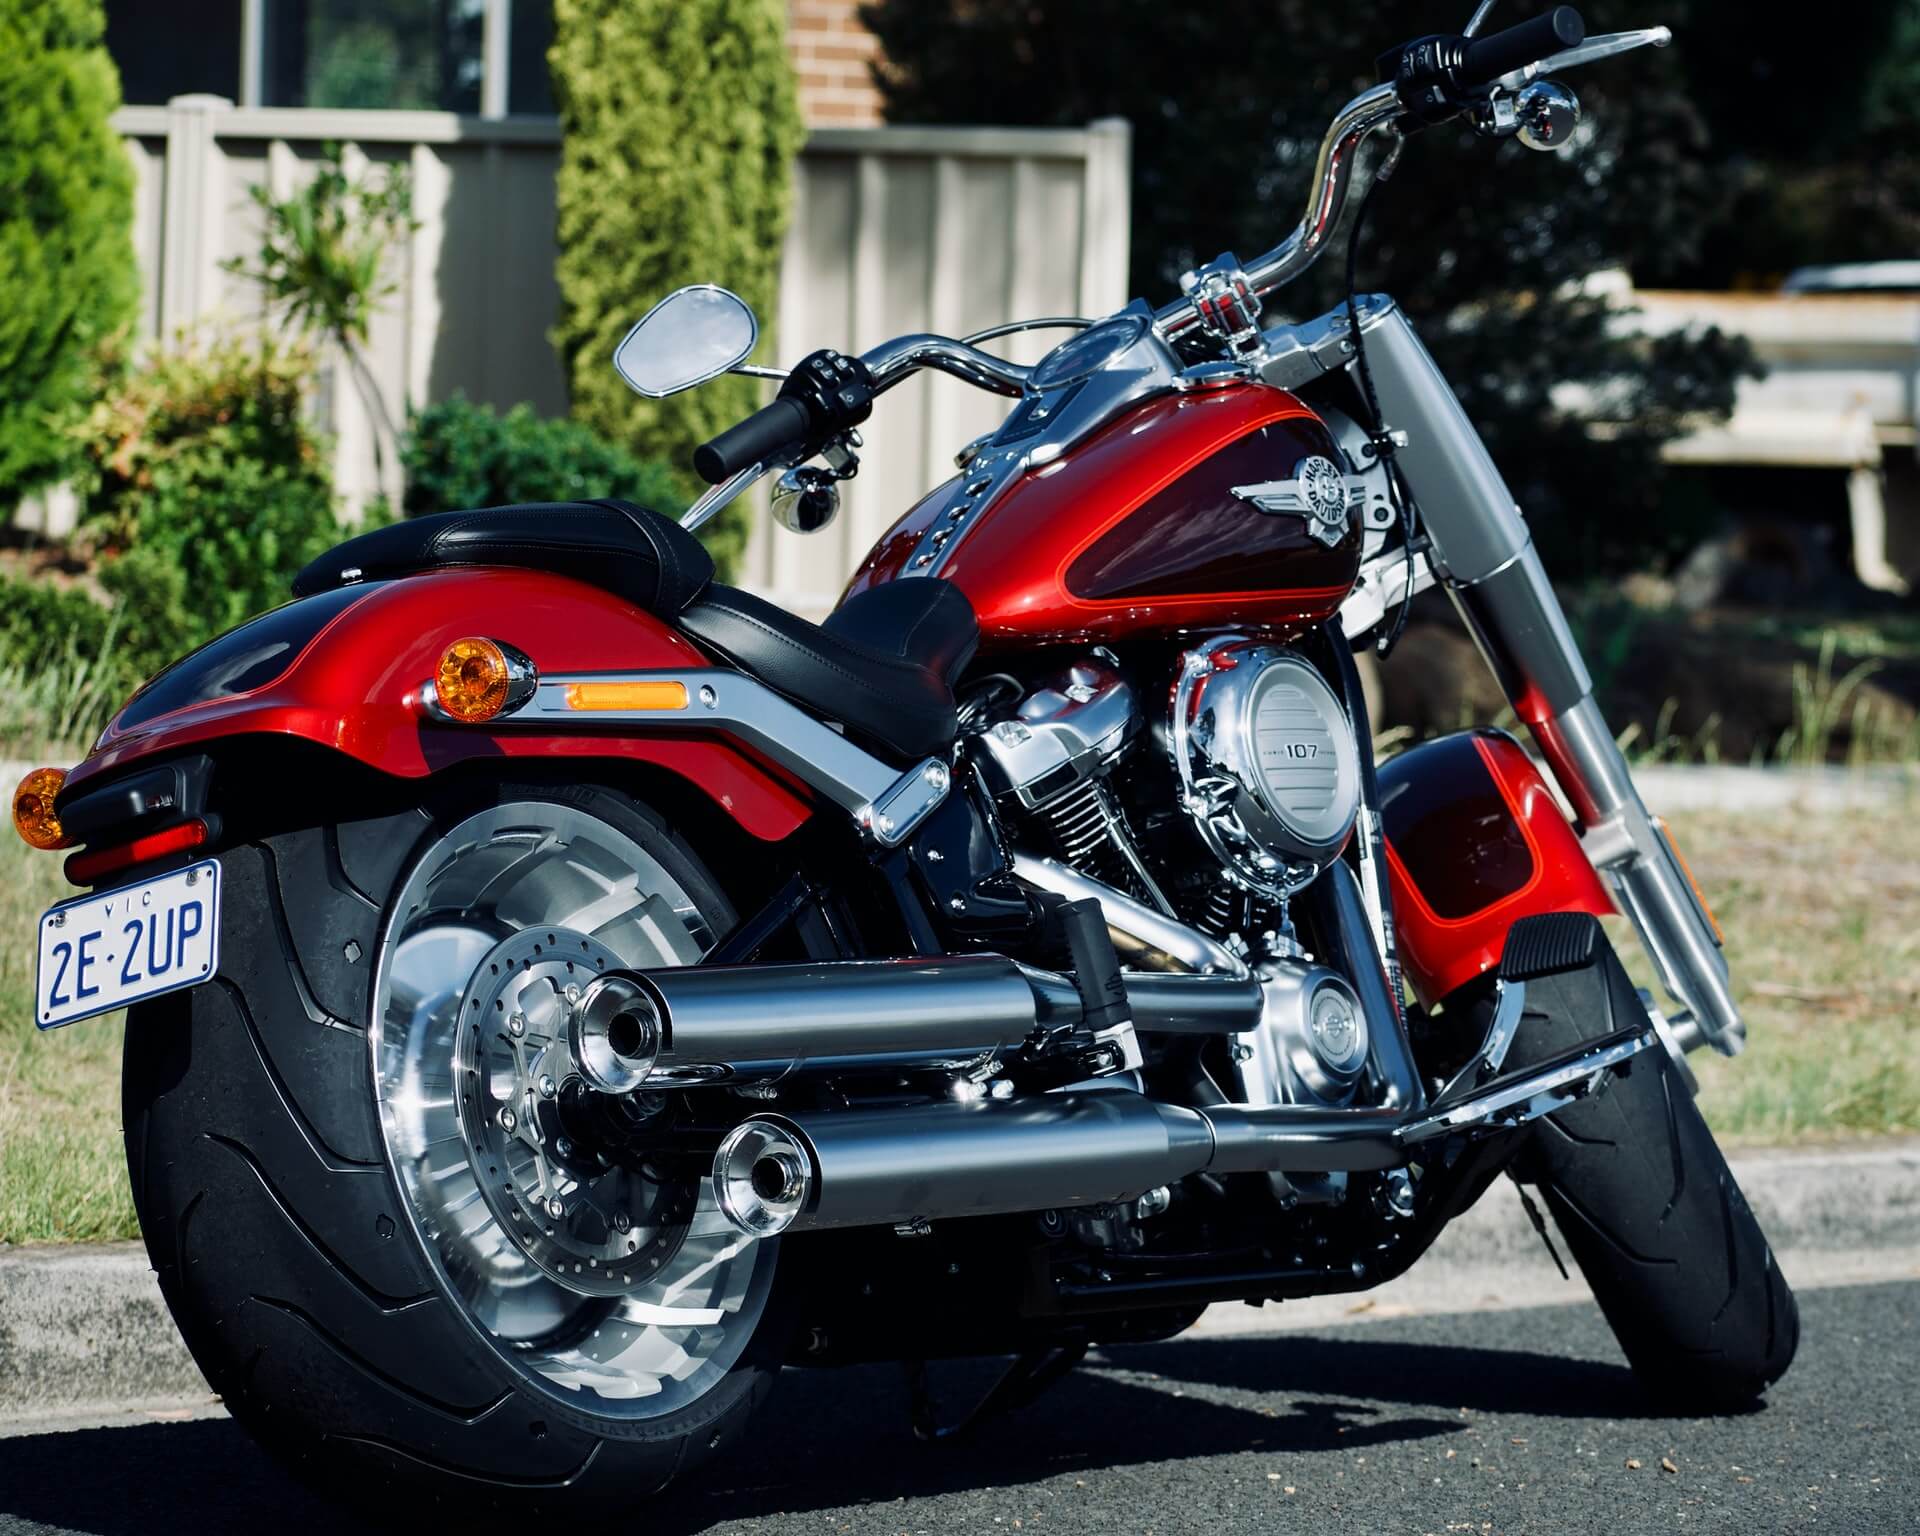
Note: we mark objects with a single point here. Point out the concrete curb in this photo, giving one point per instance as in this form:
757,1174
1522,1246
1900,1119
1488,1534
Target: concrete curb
83,1329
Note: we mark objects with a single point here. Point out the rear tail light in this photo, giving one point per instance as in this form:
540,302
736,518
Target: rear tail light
89,867
34,817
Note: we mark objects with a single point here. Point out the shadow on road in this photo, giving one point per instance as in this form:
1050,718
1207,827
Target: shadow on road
833,1437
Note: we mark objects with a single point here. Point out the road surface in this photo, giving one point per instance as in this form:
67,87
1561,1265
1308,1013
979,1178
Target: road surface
1487,1423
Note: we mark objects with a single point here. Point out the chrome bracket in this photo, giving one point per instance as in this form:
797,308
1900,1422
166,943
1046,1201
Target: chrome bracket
1528,1096
889,819
1510,1000
1318,492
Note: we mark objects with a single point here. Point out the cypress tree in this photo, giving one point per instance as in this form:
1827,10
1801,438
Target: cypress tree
680,122
67,272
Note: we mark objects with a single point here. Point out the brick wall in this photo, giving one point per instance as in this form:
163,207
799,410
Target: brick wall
832,52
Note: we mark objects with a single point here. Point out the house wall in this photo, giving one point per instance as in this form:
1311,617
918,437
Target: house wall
833,55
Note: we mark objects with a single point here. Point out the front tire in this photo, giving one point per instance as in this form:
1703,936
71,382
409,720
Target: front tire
1645,1200
316,1222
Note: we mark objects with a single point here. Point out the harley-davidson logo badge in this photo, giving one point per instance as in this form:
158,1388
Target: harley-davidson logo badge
1318,491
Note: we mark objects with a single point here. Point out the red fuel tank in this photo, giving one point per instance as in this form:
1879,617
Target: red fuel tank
1137,530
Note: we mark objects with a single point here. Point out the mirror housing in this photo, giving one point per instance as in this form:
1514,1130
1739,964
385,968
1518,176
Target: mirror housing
694,334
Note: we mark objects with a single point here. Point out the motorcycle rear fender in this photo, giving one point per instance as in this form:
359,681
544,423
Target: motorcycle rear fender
1475,842
344,670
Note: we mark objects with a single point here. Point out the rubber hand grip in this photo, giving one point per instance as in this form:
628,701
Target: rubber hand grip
1488,58
746,443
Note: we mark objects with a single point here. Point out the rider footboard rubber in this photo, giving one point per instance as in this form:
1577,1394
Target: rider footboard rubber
1548,943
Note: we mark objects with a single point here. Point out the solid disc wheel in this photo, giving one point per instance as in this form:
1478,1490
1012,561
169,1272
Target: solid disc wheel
394,1225
1649,1208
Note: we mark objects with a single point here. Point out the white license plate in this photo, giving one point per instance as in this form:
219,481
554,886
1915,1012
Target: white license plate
116,947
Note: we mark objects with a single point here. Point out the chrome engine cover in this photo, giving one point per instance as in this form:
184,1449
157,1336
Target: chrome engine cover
1269,768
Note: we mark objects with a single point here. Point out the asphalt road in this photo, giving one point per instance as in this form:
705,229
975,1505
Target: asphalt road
1500,1422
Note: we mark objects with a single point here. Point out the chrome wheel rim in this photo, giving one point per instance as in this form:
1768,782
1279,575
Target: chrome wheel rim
608,1278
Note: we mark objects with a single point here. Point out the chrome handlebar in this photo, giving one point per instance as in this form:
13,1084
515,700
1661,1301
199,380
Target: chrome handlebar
1373,109
1333,175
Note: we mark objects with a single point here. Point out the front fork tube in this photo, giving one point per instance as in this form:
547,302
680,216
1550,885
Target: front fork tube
1485,557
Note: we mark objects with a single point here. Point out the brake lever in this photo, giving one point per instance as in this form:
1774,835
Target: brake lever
1591,51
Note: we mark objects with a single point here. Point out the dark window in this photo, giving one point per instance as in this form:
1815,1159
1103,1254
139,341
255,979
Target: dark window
529,86
400,54
159,58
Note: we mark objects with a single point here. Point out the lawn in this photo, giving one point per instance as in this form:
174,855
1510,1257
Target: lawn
1822,914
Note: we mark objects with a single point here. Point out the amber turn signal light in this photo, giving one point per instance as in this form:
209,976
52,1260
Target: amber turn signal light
1686,869
478,680
33,813
635,695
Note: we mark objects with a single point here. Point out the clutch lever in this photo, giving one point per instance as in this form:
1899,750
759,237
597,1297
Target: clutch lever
1590,52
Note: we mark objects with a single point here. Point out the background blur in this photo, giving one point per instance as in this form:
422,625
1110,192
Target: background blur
280,268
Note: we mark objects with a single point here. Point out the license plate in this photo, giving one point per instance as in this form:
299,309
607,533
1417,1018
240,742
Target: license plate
104,951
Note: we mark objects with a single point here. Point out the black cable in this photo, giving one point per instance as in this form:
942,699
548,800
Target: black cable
1377,433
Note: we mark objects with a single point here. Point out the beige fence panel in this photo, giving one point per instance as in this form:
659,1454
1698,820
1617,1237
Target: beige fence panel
895,229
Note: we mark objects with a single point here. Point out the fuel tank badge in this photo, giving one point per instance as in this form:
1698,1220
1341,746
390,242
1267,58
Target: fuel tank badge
1317,492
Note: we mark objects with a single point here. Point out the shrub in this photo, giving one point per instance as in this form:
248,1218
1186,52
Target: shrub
209,490
459,454
63,670
66,218
680,124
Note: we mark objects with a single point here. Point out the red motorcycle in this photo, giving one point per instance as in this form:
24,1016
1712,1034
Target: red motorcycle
565,990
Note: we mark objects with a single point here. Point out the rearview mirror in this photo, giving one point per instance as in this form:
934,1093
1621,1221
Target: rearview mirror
692,335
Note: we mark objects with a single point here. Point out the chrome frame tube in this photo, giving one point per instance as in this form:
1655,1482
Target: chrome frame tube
886,803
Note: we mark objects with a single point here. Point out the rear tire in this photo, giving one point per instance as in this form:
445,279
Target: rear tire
1646,1202
296,1263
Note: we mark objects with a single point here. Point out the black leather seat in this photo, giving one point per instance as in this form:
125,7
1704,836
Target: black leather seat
882,665
649,560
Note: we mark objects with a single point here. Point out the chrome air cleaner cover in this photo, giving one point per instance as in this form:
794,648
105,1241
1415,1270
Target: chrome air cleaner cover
1269,768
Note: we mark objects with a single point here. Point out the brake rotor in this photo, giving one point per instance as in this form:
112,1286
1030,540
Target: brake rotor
597,1225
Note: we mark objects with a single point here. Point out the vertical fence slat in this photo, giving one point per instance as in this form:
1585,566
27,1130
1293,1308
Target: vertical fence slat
895,229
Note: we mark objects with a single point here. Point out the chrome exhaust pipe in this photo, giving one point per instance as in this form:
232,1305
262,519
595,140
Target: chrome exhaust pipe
896,1167
740,1024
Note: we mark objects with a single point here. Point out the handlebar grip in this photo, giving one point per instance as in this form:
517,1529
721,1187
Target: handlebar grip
1488,58
749,442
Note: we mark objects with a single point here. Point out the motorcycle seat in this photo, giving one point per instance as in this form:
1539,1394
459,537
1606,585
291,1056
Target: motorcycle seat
649,560
882,665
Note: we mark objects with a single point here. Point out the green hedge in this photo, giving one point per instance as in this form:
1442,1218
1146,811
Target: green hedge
458,454
66,229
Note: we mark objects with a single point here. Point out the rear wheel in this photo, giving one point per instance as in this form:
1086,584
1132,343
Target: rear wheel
395,1229
1651,1212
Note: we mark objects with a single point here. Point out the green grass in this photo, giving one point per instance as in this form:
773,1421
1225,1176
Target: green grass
63,1177
1822,914
1822,917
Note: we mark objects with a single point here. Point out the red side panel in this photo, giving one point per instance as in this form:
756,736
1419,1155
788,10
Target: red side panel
1475,841
354,687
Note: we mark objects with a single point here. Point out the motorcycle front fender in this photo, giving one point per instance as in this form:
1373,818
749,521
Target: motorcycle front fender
344,669
1475,842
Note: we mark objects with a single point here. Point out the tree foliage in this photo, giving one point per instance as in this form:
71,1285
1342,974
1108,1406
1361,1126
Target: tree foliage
66,215
1485,245
680,124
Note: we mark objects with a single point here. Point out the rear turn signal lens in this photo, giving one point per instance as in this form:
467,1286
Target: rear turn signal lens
651,695
1686,869
478,679
33,814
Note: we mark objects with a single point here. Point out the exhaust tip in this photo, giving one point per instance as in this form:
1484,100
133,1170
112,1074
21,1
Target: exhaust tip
614,1034
762,1178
